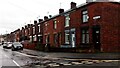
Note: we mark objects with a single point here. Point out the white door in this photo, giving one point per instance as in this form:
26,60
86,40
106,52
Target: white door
73,39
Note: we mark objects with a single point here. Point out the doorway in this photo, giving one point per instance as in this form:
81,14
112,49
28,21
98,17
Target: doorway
96,38
73,39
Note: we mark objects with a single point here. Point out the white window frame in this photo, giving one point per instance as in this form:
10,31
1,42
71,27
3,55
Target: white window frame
55,24
39,28
67,38
29,31
46,25
85,36
33,30
30,38
85,16
67,20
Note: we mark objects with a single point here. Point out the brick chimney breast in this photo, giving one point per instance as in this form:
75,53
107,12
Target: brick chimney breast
61,11
73,5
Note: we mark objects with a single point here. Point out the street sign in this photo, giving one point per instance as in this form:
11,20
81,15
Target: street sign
96,17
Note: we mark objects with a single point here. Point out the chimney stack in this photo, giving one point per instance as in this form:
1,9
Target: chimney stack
31,25
18,29
22,27
73,5
35,22
25,26
28,25
45,17
61,11
40,20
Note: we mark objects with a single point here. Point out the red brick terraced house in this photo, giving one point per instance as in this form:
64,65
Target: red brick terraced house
53,30
90,27
33,33
40,31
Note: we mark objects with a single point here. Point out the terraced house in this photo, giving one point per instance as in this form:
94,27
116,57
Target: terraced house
90,27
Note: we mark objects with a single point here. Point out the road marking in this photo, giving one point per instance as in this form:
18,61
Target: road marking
26,54
16,63
54,65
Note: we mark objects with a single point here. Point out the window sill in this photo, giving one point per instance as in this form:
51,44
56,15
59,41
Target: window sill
85,45
66,26
84,22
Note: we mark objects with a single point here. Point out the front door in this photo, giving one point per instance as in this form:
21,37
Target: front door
96,38
73,39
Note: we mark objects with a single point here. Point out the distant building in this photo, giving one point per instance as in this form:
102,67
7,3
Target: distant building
1,38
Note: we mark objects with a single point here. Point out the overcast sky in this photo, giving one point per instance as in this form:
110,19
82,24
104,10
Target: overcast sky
15,14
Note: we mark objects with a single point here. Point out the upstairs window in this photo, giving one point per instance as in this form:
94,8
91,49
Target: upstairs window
55,24
33,30
39,28
46,25
25,32
67,20
85,16
29,31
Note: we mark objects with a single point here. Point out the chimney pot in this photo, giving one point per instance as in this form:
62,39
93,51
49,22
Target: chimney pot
45,17
18,29
31,25
40,20
22,27
28,25
61,11
73,5
35,22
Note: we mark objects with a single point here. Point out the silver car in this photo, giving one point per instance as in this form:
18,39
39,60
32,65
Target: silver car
17,46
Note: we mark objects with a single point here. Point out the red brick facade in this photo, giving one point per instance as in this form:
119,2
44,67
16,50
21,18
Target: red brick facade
98,31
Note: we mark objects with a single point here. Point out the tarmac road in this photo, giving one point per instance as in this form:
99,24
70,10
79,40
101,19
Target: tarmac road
12,59
36,59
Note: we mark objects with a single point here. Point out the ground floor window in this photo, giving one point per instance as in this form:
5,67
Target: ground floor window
55,38
47,39
34,38
39,38
67,38
85,36
30,38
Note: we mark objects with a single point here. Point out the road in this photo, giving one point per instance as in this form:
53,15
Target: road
12,59
18,59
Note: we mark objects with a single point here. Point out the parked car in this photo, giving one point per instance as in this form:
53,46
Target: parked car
17,46
9,45
5,44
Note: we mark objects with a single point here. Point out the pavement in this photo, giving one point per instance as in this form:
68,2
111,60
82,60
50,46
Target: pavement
71,60
99,56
